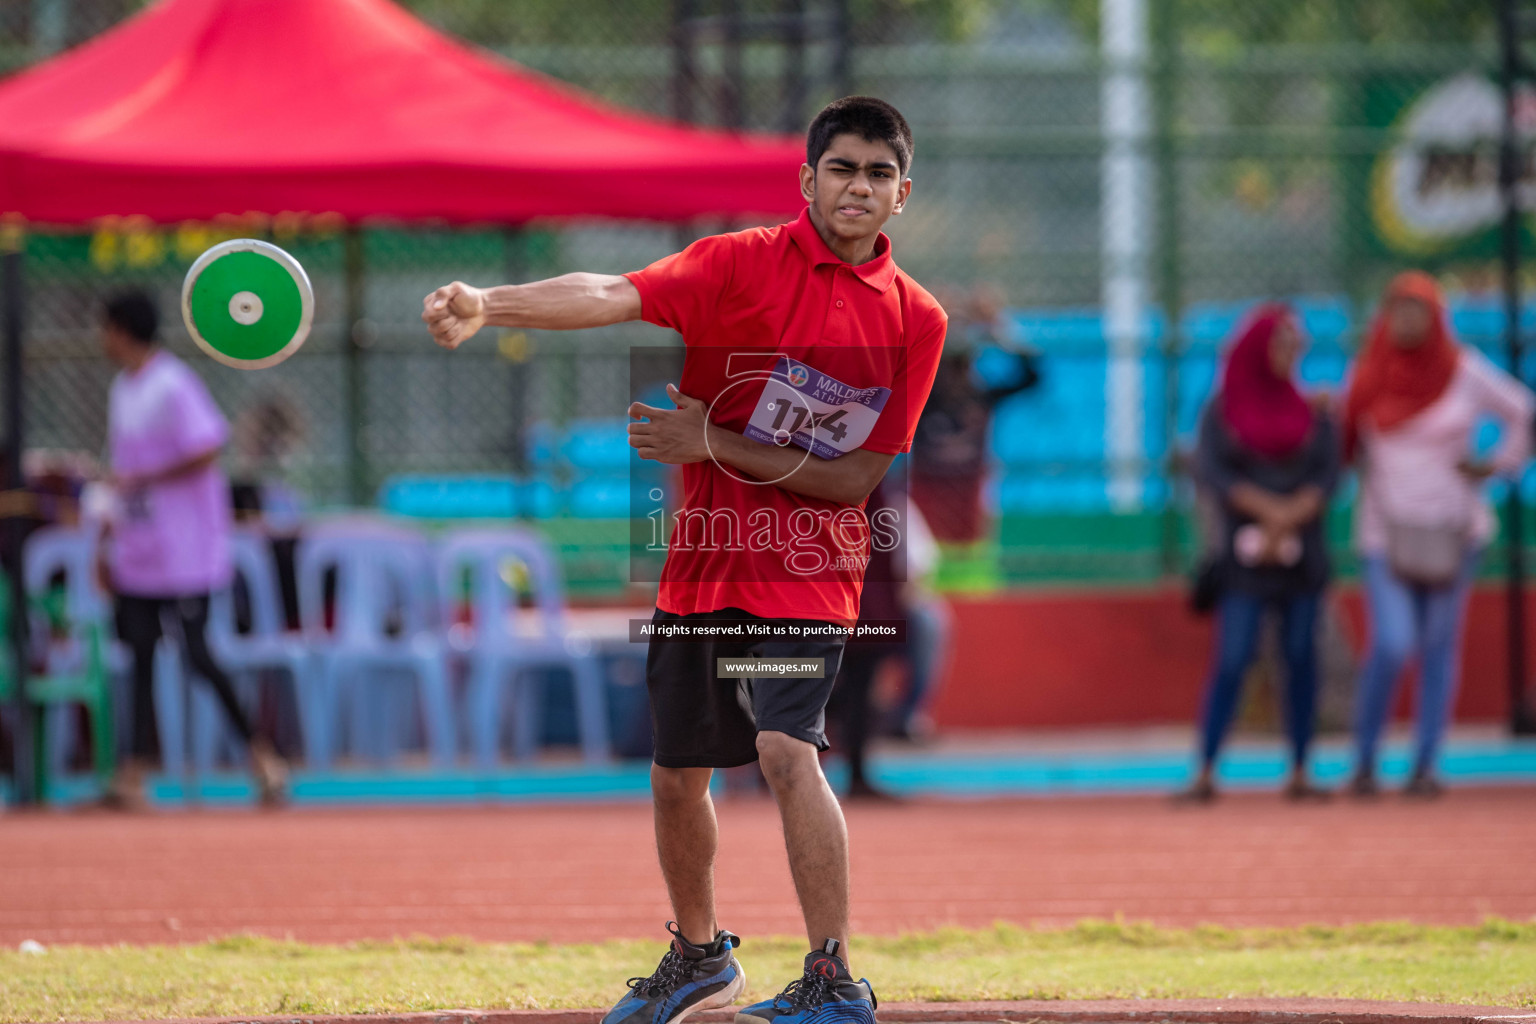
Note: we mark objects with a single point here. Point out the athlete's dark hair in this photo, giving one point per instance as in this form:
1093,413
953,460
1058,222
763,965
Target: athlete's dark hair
871,119
133,313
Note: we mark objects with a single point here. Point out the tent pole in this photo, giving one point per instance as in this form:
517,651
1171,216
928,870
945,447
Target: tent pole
50,27
357,462
733,112
791,118
842,49
1169,281
684,74
12,254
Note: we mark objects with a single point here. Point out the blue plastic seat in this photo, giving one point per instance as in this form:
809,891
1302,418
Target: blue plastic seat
538,498
598,446
542,444
385,626
70,553
458,496
505,641
471,496
601,497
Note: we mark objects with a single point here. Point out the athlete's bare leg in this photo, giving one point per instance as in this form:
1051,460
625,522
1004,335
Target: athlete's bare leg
814,834
686,839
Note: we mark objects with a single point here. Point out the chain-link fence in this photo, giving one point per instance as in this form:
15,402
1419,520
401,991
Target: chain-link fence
1130,174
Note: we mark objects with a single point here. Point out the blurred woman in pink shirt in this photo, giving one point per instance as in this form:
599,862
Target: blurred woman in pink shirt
167,547
1422,518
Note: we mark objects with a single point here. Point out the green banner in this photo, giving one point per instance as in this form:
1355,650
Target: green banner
1431,193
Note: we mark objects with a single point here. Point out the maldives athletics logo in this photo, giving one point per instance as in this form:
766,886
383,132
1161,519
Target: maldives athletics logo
798,375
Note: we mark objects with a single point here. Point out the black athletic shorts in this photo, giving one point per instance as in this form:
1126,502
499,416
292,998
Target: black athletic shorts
702,721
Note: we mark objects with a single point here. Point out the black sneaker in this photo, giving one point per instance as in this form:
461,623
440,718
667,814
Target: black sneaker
689,978
825,994
1424,786
1364,786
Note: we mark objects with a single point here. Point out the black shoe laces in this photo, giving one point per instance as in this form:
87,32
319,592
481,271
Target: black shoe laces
671,972
808,991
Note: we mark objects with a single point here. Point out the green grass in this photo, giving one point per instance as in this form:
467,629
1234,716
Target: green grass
1494,963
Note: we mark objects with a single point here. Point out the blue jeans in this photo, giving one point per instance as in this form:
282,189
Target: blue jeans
1405,620
1239,617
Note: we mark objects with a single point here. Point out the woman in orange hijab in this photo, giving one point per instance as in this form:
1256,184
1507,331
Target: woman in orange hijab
1408,361
1415,399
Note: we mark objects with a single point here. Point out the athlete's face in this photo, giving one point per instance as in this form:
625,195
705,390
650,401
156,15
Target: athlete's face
855,187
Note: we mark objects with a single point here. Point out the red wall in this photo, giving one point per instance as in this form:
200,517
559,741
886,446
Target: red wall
1086,658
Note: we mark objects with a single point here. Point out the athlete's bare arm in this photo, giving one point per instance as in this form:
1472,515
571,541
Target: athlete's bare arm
684,435
457,311
572,301
848,479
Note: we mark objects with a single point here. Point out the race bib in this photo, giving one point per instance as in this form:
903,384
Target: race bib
803,406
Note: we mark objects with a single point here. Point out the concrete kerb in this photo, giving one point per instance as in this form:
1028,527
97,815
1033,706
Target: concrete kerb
1157,1011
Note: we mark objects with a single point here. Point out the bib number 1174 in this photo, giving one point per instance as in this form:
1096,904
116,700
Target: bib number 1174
830,422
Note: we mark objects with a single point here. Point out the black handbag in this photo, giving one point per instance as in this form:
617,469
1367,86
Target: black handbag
1207,583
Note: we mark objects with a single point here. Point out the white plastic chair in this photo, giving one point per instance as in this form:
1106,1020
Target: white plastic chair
265,647
50,552
70,552
506,641
373,562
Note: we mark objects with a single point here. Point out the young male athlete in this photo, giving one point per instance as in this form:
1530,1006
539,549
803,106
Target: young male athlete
809,356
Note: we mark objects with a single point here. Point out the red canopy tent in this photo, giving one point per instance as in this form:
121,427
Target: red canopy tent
204,107
197,108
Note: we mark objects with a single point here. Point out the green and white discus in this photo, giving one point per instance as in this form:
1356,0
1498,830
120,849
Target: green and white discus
247,303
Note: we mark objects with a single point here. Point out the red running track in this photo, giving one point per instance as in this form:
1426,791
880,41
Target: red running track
588,873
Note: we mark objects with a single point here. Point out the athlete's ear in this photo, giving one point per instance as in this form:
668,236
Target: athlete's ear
808,182
902,192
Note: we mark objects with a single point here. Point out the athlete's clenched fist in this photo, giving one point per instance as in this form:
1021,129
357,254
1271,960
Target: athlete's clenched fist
454,313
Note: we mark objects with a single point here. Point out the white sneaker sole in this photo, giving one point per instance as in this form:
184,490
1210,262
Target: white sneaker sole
725,997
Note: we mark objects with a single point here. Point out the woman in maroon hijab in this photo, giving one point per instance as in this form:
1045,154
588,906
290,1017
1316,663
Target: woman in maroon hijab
1269,457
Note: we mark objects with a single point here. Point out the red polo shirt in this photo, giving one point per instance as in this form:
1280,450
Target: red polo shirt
785,339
